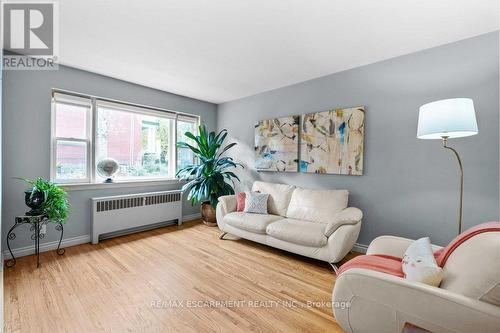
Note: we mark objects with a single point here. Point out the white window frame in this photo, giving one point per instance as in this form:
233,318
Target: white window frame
63,96
143,111
186,119
78,101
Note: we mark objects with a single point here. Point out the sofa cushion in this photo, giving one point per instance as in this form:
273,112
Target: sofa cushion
250,222
279,196
298,232
316,205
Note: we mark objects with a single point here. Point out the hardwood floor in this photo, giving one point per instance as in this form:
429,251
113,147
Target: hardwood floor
163,281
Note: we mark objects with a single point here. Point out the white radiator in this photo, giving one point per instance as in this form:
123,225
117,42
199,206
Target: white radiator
134,212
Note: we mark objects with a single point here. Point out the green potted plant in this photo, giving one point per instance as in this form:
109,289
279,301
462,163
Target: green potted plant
211,177
45,197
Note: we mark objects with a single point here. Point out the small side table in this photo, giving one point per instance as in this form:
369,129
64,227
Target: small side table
37,223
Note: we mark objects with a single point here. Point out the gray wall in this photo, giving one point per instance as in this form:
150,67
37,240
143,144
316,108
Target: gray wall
1,180
26,137
410,186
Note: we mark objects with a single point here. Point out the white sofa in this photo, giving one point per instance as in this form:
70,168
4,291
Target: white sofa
468,299
313,223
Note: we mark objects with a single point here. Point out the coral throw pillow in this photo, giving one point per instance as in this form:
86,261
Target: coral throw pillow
419,264
240,198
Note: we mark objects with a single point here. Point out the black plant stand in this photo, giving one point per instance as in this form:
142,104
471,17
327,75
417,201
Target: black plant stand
36,224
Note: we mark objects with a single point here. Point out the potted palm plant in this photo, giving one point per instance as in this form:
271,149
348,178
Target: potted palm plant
211,177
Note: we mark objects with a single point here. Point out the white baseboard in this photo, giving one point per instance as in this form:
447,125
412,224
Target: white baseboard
361,248
191,217
67,242
72,241
49,246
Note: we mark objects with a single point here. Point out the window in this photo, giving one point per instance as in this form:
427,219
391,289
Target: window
185,156
140,141
143,140
71,143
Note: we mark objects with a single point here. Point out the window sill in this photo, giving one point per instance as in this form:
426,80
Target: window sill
119,184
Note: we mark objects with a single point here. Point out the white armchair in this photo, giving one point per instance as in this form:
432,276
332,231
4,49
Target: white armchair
468,299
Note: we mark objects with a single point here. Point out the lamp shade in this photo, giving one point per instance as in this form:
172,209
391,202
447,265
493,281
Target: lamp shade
453,118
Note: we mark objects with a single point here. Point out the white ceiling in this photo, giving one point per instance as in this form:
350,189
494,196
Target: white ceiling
220,50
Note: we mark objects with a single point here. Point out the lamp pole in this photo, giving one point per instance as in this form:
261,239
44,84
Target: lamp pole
460,209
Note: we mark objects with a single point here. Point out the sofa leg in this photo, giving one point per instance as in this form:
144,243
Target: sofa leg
335,268
222,235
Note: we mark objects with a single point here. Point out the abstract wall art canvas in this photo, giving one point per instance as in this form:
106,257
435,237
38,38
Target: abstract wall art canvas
332,141
277,144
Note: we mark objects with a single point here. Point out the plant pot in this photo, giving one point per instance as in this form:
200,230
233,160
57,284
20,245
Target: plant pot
208,214
34,201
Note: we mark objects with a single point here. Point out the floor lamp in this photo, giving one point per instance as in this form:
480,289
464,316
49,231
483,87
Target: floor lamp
447,119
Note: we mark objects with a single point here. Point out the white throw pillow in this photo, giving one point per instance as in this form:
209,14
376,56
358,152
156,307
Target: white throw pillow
420,265
256,202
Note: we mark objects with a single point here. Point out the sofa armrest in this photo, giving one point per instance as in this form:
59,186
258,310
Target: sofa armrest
226,205
392,246
350,215
399,301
